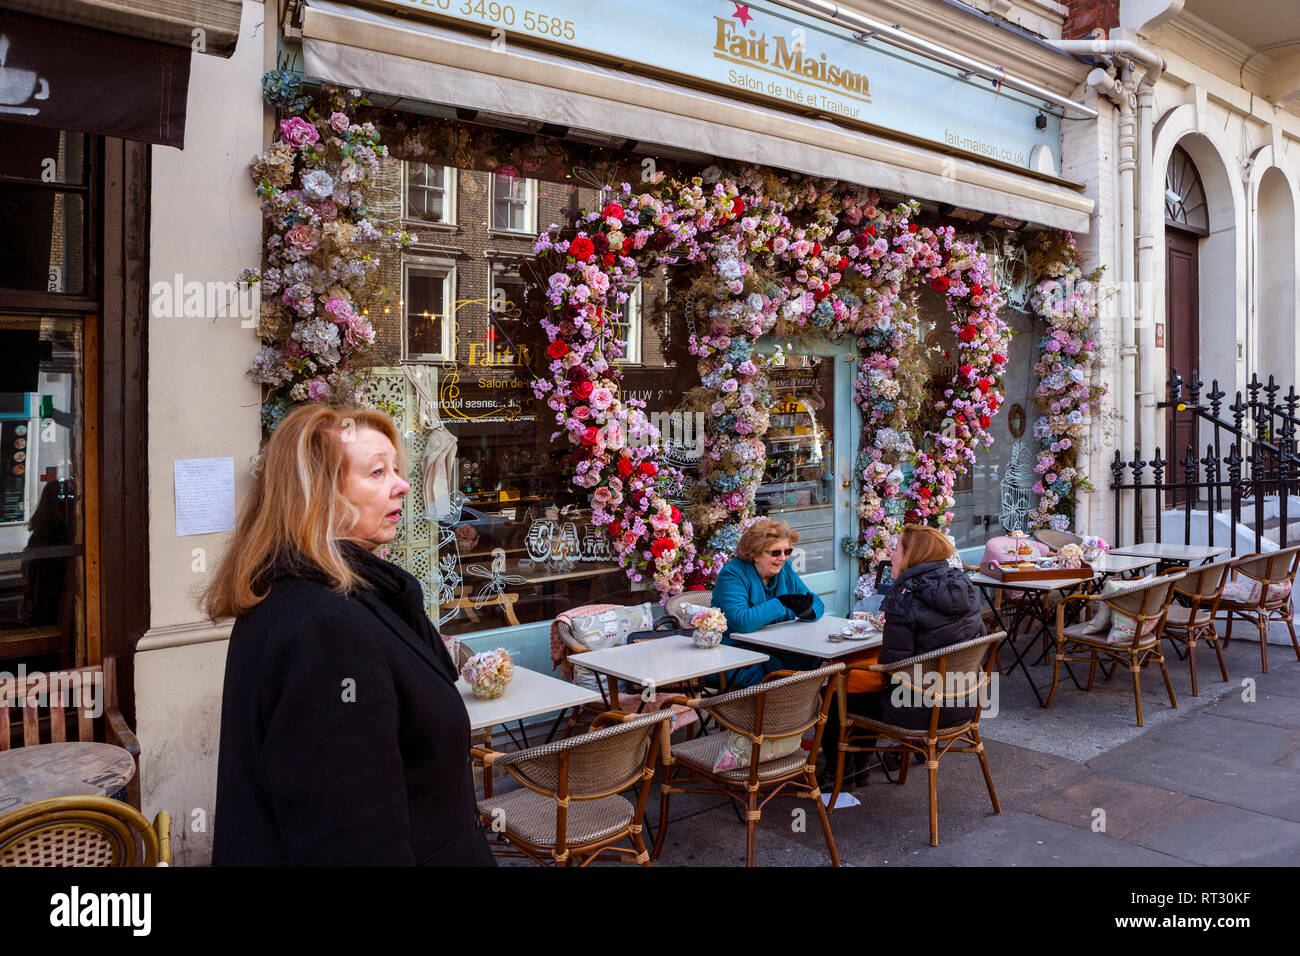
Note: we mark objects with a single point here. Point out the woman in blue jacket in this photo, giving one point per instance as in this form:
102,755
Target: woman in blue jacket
758,587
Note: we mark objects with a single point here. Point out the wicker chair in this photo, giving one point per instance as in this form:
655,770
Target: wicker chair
1057,539
1270,572
1188,623
785,705
83,831
95,682
569,808
674,606
1147,603
974,660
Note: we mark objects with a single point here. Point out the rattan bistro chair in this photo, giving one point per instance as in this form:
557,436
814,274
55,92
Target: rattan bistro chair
1056,540
973,660
787,704
569,809
1274,578
83,831
1146,603
1188,623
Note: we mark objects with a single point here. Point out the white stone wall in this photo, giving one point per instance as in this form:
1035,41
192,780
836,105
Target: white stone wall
206,227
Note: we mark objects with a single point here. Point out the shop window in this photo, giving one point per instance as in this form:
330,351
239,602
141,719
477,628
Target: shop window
428,296
626,322
514,204
799,480
430,193
42,620
44,192
505,312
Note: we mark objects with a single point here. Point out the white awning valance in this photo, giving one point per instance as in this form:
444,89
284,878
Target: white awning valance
418,60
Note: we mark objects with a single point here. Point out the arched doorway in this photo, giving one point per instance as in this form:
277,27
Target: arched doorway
1187,222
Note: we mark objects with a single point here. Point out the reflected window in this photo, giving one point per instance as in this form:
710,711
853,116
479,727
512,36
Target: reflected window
44,195
431,193
428,295
514,204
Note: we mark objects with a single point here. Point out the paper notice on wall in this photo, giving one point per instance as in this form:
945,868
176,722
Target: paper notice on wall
205,495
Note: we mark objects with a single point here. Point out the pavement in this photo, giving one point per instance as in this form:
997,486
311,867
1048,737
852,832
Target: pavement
1212,782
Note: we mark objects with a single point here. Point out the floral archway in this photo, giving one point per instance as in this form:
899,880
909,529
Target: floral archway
782,256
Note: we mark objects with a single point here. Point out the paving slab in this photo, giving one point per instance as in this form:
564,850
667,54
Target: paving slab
1229,836
1216,732
1275,710
1123,809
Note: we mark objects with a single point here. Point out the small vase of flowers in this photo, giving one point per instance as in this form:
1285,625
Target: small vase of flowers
1094,547
489,673
709,627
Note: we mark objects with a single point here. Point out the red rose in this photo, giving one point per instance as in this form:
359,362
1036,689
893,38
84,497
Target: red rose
677,515
976,289
998,359
923,493
871,231
609,260
984,421
647,468
993,403
582,390
615,529
842,264
557,349
737,206
961,419
582,248
613,211
940,284
822,293
967,334
590,435
965,370
817,249
661,545
911,227
984,385
625,467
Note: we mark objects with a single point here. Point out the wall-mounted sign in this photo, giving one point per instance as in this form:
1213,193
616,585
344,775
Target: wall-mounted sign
800,63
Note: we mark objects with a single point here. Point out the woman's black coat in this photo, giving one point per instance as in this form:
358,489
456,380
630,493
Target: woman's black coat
344,740
931,606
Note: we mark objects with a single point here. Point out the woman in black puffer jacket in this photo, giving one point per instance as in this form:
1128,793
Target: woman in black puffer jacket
931,606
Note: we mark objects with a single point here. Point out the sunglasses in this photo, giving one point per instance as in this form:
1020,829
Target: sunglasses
778,553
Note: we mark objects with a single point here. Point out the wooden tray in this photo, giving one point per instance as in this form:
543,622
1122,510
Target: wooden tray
1081,573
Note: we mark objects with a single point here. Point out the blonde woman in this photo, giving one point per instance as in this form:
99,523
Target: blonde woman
344,740
759,587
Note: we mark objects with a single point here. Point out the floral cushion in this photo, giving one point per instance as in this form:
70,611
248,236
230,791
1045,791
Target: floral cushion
734,754
608,628
1118,627
686,613
1247,592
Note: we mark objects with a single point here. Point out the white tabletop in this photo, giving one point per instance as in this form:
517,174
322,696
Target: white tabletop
1113,563
666,660
528,695
809,637
1171,552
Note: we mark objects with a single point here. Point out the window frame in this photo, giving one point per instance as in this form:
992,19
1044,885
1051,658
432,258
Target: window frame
435,265
632,351
495,273
450,184
530,208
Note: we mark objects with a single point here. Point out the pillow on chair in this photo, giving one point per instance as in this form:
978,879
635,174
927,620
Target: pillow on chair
1247,592
607,629
736,751
686,613
1119,625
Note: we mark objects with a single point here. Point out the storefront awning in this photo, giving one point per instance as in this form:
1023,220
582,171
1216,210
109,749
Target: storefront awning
421,61
200,26
75,78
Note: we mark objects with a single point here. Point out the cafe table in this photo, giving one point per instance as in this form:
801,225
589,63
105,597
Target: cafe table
820,639
1184,555
72,769
664,661
529,694
1033,607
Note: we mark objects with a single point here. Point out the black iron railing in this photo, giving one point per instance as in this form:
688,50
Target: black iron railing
1250,457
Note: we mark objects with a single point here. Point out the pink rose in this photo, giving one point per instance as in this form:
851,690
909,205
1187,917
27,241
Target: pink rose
303,238
340,310
297,132
582,413
339,122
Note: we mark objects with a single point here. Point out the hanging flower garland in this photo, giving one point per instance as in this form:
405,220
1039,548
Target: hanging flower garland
1066,300
322,250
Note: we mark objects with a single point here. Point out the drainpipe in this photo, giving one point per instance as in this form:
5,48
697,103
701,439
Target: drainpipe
1143,276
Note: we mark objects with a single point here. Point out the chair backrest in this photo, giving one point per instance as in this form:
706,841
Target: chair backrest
785,707
590,765
674,605
1269,568
1204,584
1147,601
79,831
1057,539
955,675
88,692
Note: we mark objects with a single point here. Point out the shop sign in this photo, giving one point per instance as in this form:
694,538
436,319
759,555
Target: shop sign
803,64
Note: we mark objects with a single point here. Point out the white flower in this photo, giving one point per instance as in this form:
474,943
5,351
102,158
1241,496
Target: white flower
318,185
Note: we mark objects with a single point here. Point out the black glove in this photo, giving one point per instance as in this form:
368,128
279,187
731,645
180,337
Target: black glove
800,605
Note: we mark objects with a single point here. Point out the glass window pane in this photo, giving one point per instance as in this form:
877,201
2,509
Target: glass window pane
41,532
42,239
425,304
426,192
45,155
799,481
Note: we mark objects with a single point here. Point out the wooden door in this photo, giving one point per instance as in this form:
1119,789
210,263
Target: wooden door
1182,343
